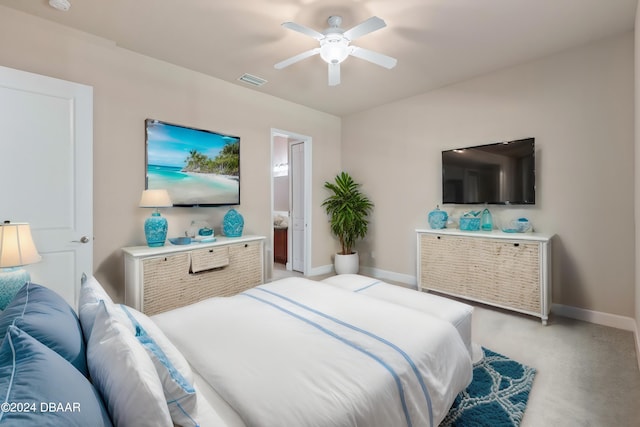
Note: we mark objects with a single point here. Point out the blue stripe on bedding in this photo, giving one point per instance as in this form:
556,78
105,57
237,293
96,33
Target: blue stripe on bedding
369,334
377,282
350,344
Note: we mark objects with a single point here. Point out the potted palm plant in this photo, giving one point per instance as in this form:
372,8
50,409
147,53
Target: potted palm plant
348,211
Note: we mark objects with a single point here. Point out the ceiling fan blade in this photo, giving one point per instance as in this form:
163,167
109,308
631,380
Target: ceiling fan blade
304,30
370,25
334,74
299,57
374,57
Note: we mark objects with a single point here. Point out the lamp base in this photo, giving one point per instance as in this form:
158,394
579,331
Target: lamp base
155,230
12,279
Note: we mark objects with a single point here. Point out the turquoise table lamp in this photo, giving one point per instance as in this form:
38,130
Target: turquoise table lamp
16,250
155,227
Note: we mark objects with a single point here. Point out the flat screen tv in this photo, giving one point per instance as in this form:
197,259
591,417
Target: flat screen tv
502,173
197,167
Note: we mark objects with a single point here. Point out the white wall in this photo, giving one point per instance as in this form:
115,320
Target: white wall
128,88
577,104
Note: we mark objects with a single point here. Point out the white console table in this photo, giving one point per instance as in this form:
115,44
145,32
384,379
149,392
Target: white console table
167,277
507,270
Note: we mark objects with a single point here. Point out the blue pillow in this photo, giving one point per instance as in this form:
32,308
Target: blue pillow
47,317
39,387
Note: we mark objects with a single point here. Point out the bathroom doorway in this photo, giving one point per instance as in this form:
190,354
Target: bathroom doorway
291,201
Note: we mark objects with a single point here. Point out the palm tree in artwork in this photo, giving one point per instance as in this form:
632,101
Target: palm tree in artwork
195,161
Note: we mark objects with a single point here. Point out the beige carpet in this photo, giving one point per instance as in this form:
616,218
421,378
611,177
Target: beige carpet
587,375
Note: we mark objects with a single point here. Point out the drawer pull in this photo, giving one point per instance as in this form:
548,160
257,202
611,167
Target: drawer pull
438,237
516,244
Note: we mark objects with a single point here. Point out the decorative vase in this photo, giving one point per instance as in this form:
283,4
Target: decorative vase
233,223
347,264
437,218
155,230
487,220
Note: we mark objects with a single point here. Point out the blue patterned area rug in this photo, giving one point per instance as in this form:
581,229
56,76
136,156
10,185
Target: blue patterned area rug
497,395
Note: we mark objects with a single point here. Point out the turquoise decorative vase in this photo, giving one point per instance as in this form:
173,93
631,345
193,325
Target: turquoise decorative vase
486,221
12,279
233,223
155,230
438,219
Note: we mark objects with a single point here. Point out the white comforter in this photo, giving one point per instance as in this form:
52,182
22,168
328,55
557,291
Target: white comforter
302,353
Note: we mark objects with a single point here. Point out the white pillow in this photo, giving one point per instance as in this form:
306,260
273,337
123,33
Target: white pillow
173,369
91,293
124,374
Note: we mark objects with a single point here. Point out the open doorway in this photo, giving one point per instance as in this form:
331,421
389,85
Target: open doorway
291,202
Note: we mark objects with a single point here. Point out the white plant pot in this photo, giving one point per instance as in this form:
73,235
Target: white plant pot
347,264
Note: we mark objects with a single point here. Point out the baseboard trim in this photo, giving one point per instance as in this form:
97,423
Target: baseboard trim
406,279
597,317
323,269
638,345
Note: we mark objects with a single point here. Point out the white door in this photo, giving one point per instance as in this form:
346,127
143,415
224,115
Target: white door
298,221
46,171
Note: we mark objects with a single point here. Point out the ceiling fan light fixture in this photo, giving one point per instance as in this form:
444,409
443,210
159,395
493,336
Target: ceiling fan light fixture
62,5
334,50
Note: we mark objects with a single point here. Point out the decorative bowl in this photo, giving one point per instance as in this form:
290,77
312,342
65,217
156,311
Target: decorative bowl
180,240
522,225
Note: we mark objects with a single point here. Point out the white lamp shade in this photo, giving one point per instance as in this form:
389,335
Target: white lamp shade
16,245
158,198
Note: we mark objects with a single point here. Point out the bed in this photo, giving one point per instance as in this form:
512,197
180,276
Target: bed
294,352
455,312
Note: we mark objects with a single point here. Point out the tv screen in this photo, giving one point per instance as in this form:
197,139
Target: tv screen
500,173
197,167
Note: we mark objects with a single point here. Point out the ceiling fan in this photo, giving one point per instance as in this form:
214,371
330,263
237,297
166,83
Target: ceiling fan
334,45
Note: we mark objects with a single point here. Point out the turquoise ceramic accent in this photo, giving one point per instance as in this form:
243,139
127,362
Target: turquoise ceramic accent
470,221
155,230
522,225
487,220
206,231
233,223
11,280
437,218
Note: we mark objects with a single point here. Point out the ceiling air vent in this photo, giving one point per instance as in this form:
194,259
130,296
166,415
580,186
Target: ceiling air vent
252,80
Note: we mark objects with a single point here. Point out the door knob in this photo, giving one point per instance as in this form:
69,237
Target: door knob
83,239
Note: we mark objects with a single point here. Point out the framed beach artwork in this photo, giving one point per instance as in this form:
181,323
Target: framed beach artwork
197,167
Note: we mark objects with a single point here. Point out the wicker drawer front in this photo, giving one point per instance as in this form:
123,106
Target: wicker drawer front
169,282
245,266
208,259
485,270
165,282
444,263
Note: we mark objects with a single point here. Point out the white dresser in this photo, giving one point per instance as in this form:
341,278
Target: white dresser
507,270
167,277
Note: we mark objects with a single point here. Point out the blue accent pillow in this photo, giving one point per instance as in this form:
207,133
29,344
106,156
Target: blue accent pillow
39,387
47,317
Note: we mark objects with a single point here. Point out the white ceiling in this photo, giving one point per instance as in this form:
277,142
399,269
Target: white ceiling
436,42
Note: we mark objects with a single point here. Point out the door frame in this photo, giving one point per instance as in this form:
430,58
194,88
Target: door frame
307,141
